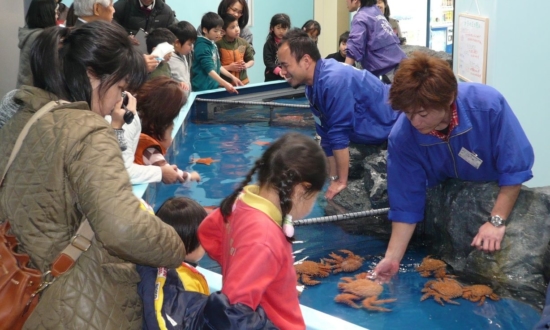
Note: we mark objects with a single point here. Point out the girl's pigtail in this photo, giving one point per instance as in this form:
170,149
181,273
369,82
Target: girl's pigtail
285,187
226,206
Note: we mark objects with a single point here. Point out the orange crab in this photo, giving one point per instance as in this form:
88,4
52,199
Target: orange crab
362,288
348,264
442,289
308,269
435,266
479,292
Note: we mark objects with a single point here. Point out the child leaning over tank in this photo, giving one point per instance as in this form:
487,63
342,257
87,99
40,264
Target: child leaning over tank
159,101
159,287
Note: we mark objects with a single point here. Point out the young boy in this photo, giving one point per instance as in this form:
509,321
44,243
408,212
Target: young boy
160,287
236,54
206,67
186,36
154,38
340,55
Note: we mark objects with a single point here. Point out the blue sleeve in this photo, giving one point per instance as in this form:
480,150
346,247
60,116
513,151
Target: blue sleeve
338,108
406,176
357,41
203,58
146,290
324,141
512,151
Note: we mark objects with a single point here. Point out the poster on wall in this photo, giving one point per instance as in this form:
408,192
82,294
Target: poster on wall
250,13
472,38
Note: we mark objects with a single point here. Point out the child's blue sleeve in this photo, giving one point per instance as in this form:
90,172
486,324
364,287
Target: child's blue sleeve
146,291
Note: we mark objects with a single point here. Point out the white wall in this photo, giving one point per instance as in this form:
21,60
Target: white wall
518,66
12,19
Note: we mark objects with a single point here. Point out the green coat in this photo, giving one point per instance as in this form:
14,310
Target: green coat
70,164
205,59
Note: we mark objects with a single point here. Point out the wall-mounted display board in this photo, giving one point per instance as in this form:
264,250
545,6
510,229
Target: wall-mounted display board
471,39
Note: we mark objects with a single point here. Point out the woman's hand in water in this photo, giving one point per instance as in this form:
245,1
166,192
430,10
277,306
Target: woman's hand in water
385,270
194,176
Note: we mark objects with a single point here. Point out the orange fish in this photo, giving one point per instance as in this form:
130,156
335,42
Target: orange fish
262,143
205,161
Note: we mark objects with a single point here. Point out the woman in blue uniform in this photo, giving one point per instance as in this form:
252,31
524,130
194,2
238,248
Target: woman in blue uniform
448,130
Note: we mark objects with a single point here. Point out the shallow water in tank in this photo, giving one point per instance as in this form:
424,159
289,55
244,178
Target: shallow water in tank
235,147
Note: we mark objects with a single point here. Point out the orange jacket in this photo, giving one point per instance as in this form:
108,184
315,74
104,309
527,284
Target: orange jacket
145,142
238,50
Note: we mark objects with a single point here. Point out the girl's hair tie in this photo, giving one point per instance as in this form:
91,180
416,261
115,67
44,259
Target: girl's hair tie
288,228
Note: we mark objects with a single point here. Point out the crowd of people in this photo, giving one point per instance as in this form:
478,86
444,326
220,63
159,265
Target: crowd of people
112,124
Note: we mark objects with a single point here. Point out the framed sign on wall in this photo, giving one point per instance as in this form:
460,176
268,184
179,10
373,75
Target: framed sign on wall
471,40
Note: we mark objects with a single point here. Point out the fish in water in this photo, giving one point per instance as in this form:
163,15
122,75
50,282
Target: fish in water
290,118
205,161
262,143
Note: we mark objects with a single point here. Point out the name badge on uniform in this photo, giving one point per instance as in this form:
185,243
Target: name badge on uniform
470,158
317,120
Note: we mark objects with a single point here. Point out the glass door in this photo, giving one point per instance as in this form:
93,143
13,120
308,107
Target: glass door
441,25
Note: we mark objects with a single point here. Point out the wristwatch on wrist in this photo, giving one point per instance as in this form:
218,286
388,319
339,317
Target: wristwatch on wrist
334,178
496,221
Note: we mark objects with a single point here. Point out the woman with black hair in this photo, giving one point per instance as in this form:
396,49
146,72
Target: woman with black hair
41,14
239,9
69,169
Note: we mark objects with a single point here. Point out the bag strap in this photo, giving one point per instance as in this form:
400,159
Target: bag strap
82,240
42,111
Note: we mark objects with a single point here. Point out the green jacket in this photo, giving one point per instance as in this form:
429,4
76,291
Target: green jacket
205,59
163,69
70,165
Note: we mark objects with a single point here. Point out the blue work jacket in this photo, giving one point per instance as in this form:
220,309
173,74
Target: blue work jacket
487,129
349,105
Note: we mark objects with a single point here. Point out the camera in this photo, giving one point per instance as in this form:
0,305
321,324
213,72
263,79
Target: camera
128,115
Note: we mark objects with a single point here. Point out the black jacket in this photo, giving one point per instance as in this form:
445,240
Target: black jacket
270,60
129,14
195,311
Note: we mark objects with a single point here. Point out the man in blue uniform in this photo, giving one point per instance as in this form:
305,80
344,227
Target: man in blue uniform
348,105
447,130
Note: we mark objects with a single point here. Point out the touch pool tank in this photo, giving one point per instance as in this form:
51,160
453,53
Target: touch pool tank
234,135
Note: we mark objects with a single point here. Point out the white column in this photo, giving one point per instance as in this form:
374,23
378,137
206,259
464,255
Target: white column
334,18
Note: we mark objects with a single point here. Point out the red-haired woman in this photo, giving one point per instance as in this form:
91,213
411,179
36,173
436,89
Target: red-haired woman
159,101
465,131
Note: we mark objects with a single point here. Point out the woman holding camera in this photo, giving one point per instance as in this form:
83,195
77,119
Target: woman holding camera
69,169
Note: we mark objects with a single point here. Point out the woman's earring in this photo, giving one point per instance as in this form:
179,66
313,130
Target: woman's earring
288,228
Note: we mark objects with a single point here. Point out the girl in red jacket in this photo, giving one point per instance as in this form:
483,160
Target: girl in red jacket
250,235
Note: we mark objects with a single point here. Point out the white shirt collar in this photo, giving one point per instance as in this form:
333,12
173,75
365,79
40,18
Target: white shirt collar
151,6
